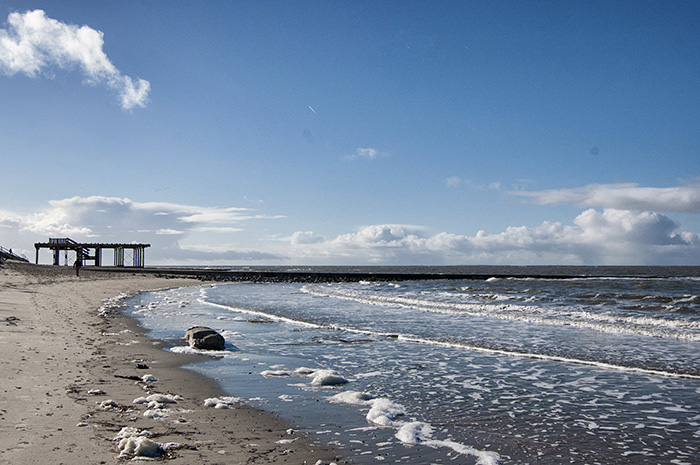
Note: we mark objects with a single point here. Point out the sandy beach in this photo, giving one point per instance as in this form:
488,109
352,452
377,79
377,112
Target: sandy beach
72,367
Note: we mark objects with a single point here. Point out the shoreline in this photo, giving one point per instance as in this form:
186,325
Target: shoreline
71,376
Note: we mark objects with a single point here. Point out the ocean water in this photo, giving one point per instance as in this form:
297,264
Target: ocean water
520,370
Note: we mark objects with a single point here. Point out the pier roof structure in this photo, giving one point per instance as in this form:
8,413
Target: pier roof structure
92,251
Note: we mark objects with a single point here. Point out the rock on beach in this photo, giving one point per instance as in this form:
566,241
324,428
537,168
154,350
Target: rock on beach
203,338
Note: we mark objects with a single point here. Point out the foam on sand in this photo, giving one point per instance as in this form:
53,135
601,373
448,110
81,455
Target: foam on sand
222,402
160,398
135,442
156,409
139,446
157,413
129,431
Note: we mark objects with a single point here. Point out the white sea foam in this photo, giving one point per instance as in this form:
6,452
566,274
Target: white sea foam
222,402
112,304
483,457
327,378
552,358
276,373
108,404
139,446
414,432
160,398
351,398
157,413
261,314
417,432
129,431
304,371
646,326
192,350
384,412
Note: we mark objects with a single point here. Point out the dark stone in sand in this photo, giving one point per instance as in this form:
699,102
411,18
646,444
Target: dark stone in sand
203,338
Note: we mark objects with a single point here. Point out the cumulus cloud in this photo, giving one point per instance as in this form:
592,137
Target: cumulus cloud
112,219
385,235
607,237
623,196
33,44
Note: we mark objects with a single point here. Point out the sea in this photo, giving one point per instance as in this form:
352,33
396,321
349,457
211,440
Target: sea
504,365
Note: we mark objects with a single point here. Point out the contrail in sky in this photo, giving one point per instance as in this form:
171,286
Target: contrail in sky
312,109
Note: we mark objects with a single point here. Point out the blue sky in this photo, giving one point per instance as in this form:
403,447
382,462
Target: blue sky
393,132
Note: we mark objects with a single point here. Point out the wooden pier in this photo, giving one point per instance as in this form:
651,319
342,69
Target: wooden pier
93,251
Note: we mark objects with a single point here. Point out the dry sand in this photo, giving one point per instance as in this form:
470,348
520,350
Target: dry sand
60,359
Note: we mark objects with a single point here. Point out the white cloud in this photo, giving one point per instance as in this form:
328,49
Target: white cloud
385,235
169,232
112,219
33,44
218,229
623,196
368,153
306,237
453,182
607,237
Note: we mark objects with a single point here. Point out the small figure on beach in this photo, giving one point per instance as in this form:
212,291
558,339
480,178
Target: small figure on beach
78,263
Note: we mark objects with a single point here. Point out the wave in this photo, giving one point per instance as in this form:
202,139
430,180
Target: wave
413,339
621,324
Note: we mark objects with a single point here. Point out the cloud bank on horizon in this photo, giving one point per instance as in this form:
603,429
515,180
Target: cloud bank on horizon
33,44
194,234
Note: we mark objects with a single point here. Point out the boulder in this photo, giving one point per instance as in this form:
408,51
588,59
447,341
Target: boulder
201,337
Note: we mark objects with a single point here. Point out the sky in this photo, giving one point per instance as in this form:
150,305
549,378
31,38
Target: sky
354,133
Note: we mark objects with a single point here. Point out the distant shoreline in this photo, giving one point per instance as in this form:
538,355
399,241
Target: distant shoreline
326,274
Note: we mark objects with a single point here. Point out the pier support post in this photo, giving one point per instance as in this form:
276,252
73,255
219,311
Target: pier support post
119,256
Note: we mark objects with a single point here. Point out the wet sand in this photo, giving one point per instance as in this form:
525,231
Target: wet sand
70,374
